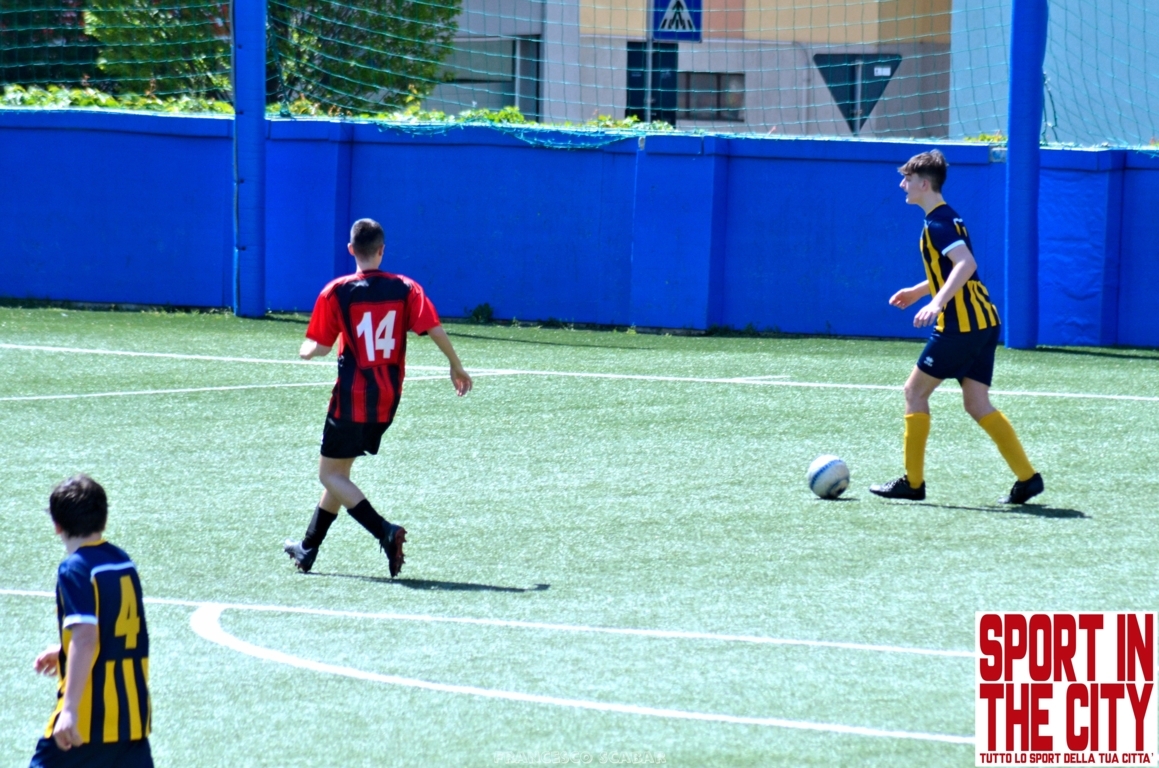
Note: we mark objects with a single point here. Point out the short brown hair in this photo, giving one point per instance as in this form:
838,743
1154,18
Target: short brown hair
930,165
79,506
366,237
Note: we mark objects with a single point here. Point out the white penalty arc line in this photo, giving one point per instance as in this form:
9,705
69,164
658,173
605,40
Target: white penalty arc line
547,627
186,390
206,622
759,381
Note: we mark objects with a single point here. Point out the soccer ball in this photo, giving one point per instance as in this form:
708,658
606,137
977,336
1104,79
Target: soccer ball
828,476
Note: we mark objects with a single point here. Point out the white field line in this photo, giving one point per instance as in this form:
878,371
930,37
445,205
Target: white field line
740,379
546,627
761,381
206,622
188,390
175,356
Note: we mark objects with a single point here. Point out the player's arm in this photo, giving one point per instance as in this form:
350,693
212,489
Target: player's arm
907,296
324,328
48,662
964,266
459,376
82,650
311,349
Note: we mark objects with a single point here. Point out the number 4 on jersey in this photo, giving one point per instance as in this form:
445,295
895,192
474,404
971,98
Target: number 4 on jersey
128,623
377,339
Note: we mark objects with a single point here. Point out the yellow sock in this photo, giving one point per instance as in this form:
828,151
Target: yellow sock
1002,433
917,430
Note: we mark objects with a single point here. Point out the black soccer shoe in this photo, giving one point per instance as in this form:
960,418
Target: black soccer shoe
899,489
303,558
1023,492
392,545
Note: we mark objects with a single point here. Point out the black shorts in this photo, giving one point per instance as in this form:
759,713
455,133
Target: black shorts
349,439
121,754
961,355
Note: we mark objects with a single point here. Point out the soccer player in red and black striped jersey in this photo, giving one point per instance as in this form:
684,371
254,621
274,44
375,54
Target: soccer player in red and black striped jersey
367,315
963,342
103,713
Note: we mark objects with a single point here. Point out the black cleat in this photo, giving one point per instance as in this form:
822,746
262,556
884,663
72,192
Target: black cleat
1023,492
303,558
392,545
899,489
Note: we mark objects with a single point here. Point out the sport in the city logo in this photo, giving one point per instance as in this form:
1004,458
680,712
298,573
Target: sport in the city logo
1065,689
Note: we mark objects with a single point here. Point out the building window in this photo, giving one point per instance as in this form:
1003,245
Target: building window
662,106
489,73
711,96
527,76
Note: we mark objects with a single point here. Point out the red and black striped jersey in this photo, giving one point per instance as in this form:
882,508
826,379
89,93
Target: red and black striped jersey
970,309
98,585
368,314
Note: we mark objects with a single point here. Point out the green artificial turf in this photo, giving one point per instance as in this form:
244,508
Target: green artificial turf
656,498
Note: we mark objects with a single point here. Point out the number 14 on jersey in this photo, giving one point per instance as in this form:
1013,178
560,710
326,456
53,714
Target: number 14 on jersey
377,328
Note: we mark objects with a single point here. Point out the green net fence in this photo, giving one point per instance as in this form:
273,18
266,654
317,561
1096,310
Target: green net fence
127,48
840,68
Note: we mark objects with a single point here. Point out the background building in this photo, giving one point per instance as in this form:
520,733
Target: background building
901,68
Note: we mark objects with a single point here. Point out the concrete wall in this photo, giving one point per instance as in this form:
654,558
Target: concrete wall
674,231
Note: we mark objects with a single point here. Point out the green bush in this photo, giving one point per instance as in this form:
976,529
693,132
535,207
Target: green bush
44,42
359,56
56,97
163,47
483,313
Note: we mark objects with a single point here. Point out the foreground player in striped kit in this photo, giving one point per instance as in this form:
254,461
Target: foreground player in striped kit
367,314
963,342
103,714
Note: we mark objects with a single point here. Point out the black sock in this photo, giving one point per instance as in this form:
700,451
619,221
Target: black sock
368,518
319,525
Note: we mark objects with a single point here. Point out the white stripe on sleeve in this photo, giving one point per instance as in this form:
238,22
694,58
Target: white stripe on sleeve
952,246
79,618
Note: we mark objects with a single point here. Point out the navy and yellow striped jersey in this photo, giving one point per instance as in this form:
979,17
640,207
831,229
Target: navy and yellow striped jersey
970,309
98,584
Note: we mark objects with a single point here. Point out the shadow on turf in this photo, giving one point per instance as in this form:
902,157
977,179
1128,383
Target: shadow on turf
1123,353
1037,510
543,343
447,586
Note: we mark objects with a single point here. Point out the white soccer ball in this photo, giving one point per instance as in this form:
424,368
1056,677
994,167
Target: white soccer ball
828,476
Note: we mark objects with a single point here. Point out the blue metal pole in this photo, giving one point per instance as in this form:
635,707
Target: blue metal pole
249,157
1028,31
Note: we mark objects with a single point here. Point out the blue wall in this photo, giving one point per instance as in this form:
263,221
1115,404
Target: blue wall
116,208
801,235
1138,319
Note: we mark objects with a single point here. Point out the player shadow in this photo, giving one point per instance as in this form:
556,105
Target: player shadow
1122,353
446,586
544,343
295,319
1036,510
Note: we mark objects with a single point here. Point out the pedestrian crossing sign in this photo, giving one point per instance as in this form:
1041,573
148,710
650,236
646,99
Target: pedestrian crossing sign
677,20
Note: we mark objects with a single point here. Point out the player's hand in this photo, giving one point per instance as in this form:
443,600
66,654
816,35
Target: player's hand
48,662
927,315
66,733
462,381
904,298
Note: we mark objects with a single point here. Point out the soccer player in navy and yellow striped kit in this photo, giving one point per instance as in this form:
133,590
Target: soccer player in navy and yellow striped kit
103,714
963,342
